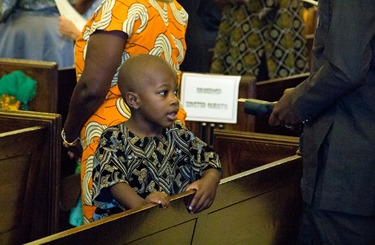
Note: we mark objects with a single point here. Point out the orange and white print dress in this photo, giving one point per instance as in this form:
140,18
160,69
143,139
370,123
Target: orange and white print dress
153,27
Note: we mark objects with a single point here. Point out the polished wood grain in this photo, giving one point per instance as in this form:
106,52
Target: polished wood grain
258,206
45,216
20,164
240,151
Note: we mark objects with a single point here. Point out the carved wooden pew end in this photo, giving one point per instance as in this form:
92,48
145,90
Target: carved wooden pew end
20,155
44,215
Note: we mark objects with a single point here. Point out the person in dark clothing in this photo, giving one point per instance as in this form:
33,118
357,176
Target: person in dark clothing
196,58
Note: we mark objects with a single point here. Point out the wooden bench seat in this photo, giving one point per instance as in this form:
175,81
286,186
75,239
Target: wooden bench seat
54,90
258,206
20,163
45,215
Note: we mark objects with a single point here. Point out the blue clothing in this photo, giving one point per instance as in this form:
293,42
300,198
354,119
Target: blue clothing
31,31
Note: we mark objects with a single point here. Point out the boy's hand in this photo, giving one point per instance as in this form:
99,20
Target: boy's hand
160,198
206,191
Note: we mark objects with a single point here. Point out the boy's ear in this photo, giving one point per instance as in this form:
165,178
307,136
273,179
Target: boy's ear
131,99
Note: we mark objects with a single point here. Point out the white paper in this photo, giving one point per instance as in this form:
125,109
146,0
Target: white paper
67,10
210,98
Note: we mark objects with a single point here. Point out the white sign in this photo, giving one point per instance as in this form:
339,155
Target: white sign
210,98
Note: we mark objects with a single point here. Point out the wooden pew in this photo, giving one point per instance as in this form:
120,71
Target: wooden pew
273,89
45,215
258,206
240,151
20,155
45,73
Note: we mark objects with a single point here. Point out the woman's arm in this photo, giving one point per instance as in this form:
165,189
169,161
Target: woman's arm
103,57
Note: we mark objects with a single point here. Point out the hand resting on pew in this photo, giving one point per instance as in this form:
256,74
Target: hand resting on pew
205,191
128,198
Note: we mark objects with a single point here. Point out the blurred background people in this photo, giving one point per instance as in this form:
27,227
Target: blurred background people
261,38
29,30
196,58
210,16
86,8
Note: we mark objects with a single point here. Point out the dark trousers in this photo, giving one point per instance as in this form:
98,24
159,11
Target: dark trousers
323,227
327,227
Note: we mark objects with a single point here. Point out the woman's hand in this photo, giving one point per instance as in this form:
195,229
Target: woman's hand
74,151
67,28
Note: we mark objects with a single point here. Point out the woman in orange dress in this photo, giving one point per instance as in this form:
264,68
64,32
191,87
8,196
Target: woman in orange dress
116,31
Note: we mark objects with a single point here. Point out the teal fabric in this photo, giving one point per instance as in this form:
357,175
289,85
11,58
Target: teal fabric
19,85
76,214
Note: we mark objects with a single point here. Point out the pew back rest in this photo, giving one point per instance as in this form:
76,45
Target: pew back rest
44,73
240,151
259,206
45,215
20,155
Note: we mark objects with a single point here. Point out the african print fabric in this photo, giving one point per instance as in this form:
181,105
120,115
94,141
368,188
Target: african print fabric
167,163
153,27
262,33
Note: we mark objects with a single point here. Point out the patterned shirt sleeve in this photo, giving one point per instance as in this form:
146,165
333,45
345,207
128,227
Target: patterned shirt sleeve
203,157
108,169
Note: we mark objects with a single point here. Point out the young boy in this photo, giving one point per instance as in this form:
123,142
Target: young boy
151,156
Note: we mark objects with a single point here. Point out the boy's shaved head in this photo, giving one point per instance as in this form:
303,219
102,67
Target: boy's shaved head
137,70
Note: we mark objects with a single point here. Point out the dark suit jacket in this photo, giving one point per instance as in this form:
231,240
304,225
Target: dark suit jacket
337,104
